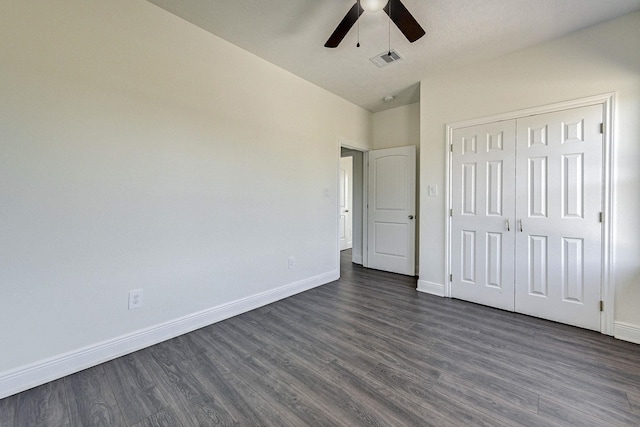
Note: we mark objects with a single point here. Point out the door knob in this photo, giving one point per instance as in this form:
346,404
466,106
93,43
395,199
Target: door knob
410,216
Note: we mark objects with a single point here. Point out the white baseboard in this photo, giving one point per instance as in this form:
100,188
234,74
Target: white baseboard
431,288
357,259
627,332
29,376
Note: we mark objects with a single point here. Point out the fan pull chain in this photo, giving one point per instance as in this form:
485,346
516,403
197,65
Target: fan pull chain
358,45
389,29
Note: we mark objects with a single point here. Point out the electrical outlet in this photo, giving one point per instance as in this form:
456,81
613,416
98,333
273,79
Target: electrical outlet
135,298
292,262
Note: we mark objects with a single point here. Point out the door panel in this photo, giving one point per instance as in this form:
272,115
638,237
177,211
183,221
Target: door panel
494,188
469,188
573,267
391,217
537,265
494,260
483,182
559,236
573,185
537,183
469,256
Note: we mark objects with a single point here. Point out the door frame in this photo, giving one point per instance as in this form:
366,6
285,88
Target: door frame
348,200
607,101
348,145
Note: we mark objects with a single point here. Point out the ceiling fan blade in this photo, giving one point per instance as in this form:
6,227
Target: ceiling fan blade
344,26
404,20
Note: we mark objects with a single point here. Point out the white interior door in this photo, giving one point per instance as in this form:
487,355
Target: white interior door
346,203
559,233
391,213
482,217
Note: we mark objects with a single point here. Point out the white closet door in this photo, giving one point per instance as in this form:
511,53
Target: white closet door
483,193
559,200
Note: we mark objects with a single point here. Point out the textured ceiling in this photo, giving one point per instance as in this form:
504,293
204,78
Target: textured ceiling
291,34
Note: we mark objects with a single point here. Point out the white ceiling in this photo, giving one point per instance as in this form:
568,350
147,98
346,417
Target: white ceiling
291,34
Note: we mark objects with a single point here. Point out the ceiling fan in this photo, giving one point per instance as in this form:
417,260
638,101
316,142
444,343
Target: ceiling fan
394,8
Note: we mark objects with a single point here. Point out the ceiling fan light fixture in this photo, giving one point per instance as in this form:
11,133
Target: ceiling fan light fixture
401,17
373,6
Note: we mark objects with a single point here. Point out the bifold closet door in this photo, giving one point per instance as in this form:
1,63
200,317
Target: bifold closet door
483,194
559,201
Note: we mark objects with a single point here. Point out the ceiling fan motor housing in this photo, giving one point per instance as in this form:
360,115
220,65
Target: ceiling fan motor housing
373,5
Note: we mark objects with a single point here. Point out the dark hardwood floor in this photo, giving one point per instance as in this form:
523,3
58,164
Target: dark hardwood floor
365,350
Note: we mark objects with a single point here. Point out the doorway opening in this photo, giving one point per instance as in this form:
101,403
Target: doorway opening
345,200
351,204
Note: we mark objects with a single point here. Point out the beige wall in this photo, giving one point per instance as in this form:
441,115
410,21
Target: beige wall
138,151
598,60
397,127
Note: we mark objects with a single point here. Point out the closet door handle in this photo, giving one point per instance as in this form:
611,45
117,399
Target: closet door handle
520,222
508,224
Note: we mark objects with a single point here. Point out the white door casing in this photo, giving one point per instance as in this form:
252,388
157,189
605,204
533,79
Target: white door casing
346,203
483,206
559,233
391,210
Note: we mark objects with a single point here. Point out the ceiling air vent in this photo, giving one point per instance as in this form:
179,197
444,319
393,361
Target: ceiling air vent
386,58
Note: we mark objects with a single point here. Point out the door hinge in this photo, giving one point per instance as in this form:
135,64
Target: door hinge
601,305
451,277
601,127
450,212
601,216
451,147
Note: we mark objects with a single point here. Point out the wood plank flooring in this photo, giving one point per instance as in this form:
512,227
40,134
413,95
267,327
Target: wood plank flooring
366,350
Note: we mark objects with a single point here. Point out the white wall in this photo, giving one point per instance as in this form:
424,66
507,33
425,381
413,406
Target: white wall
138,151
598,60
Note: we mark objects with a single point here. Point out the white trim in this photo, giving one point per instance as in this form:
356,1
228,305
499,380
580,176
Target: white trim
607,317
337,206
627,332
35,374
365,209
607,101
447,215
352,145
534,111
431,288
